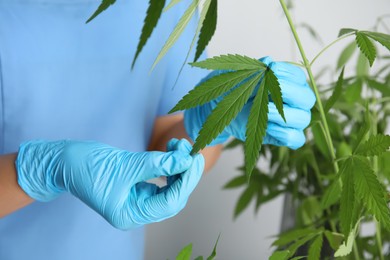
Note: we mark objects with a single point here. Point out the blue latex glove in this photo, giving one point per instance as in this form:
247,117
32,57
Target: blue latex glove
109,180
298,99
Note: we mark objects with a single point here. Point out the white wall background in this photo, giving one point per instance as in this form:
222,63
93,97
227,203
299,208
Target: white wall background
255,28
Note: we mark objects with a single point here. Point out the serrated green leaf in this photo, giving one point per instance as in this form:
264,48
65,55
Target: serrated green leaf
256,128
334,239
273,86
177,31
211,89
208,29
185,253
336,93
292,235
366,47
315,249
347,196
370,191
300,242
225,111
102,7
346,248
346,54
214,253
364,129
153,14
171,4
331,195
279,255
230,62
345,31
375,145
236,182
382,38
244,200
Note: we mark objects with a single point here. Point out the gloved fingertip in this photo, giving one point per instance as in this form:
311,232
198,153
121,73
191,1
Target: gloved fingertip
172,144
266,60
176,162
184,145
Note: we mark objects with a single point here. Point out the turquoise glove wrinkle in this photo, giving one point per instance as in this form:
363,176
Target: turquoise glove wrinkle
298,99
109,180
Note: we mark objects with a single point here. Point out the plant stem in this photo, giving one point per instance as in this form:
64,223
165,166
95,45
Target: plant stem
329,45
355,252
314,86
375,167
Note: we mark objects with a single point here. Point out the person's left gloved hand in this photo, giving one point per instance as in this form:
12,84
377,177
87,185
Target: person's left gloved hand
298,99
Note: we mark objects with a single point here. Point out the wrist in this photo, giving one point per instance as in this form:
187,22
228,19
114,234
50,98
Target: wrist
38,169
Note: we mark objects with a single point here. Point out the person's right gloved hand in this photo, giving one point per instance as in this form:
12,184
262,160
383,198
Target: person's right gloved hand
109,180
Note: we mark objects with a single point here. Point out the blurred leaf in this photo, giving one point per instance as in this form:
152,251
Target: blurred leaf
345,31
370,190
233,144
319,138
214,253
375,145
300,242
366,47
353,91
347,196
225,111
185,253
280,255
346,248
230,62
382,87
102,7
346,55
315,248
199,258
208,29
243,201
308,211
236,182
331,195
211,89
311,31
334,239
171,4
336,93
362,66
177,31
153,14
290,236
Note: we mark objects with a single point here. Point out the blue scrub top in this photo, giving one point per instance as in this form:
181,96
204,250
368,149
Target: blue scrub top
63,79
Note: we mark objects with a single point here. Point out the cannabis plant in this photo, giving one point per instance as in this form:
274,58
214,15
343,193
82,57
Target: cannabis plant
340,178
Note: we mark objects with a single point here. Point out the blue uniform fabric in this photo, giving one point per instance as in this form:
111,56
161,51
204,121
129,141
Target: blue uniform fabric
63,79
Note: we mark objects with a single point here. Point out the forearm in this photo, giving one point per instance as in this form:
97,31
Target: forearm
12,197
169,127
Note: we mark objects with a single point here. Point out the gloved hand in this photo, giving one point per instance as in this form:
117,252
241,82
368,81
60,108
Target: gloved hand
298,99
109,180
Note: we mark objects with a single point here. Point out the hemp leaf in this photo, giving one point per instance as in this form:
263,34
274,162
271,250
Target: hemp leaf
208,29
102,7
230,62
315,248
225,111
375,145
347,197
366,47
185,253
177,31
153,14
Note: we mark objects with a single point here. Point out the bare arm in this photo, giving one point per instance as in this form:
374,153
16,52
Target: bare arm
12,197
171,126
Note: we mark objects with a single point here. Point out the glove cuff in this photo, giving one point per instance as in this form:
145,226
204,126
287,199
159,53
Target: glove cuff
37,169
